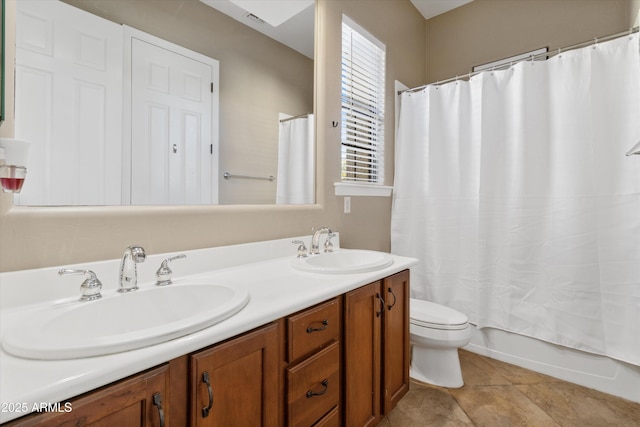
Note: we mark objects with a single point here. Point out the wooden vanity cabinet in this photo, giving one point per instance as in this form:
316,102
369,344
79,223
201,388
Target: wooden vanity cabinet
141,400
396,347
235,383
376,349
312,366
362,340
344,362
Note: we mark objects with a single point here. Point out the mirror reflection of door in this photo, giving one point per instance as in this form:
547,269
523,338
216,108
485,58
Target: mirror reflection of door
173,148
70,105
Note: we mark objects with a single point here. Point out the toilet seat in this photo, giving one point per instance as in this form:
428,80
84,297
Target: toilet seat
430,315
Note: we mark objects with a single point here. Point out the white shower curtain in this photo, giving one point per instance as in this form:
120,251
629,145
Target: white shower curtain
514,191
296,160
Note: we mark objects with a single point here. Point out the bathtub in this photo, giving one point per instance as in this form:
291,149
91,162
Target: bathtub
589,370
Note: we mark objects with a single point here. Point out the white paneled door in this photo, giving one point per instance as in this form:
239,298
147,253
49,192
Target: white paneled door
173,104
68,104
114,115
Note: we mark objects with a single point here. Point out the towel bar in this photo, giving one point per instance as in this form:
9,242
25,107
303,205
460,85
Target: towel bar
227,175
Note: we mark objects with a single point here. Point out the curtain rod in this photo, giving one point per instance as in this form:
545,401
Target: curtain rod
530,58
295,117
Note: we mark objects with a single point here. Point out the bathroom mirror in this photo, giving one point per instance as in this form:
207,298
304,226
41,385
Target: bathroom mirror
261,81
2,61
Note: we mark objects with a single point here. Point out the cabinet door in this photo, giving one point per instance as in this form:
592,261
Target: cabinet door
236,383
361,343
395,336
141,400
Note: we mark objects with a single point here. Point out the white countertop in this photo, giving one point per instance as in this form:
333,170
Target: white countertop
275,288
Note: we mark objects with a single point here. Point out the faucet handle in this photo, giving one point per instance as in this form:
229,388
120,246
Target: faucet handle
164,272
328,245
90,288
302,249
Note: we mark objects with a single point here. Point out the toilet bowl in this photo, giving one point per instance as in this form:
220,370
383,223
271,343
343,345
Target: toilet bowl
436,332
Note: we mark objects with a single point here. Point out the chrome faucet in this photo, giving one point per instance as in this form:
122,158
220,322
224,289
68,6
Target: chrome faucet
90,288
315,239
302,249
128,270
163,275
328,245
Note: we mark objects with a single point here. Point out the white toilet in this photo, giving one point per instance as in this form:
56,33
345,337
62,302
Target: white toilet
436,333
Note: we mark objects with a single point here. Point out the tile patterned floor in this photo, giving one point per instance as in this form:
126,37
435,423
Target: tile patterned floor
499,394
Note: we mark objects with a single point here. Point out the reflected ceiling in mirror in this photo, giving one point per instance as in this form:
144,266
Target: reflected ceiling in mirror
260,82
288,21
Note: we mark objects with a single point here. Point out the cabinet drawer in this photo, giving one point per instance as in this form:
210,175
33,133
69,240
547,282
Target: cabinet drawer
313,387
312,329
332,419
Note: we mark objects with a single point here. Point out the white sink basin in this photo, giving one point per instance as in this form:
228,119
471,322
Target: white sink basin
344,261
120,322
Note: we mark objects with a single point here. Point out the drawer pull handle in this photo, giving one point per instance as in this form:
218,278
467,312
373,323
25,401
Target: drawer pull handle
206,409
378,313
325,384
389,307
157,401
325,323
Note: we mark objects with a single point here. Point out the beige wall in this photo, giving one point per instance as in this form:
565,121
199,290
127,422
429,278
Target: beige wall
487,30
39,237
399,25
482,31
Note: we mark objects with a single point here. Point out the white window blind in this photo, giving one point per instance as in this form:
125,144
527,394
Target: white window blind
363,68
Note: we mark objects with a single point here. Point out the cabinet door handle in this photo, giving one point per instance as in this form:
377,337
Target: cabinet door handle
325,323
389,307
157,401
378,313
325,384
206,409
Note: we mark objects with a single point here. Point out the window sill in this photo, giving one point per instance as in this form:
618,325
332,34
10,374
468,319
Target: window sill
355,189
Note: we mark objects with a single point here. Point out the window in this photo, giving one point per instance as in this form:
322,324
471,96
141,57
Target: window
363,67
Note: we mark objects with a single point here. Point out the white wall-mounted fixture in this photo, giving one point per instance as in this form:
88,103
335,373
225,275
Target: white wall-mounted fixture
634,150
13,162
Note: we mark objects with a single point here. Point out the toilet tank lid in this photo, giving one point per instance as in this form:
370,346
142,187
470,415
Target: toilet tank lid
429,312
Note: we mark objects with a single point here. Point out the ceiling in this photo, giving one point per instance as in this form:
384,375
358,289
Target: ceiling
431,8
290,21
